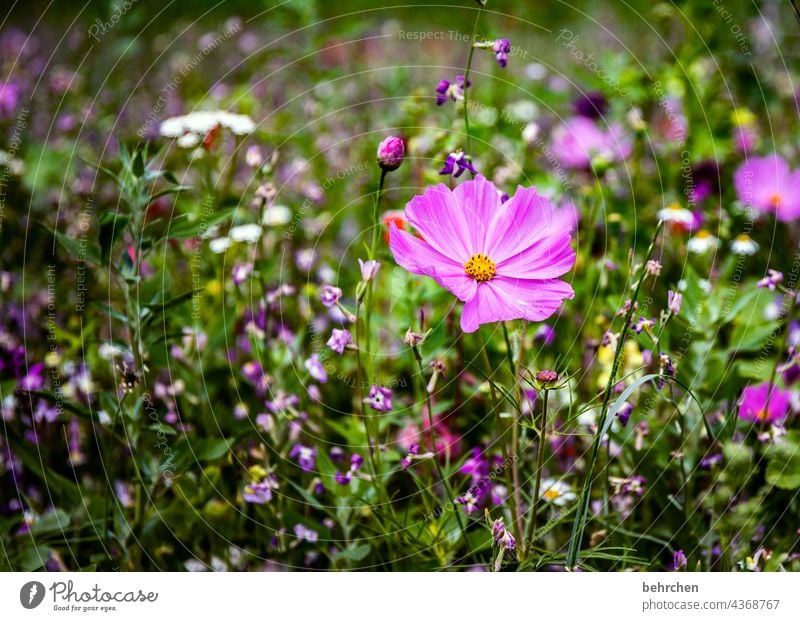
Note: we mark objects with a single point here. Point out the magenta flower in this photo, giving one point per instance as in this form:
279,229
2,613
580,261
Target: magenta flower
768,184
9,98
502,259
390,153
579,141
758,406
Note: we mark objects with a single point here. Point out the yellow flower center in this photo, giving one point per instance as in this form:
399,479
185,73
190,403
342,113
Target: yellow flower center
743,237
762,414
551,494
775,200
703,234
480,267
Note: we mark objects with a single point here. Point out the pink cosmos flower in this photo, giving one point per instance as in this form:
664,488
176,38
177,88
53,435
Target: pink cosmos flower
757,406
768,184
502,259
579,140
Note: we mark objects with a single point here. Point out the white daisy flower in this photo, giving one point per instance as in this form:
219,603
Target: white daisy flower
676,213
744,245
556,492
702,242
188,141
277,215
249,233
219,245
201,122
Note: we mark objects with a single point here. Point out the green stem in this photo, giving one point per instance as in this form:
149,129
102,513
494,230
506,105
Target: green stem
539,465
498,421
782,346
371,445
448,492
516,490
573,552
466,75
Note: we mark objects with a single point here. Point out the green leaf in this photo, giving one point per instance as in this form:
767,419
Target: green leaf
783,468
77,250
138,163
356,553
112,225
53,521
751,336
183,227
34,558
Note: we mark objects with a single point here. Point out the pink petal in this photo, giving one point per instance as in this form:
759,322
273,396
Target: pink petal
504,299
524,220
439,218
419,257
547,258
479,203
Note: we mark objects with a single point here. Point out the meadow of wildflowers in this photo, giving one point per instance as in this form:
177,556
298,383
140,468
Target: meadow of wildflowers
483,286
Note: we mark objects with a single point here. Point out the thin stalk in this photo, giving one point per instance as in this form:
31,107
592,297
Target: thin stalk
466,74
365,417
516,490
429,405
496,409
573,552
373,249
539,464
784,338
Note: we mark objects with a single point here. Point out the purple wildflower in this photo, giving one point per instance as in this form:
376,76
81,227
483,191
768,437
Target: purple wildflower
316,368
305,534
306,456
679,560
339,340
456,163
34,378
771,280
674,302
592,105
624,413
501,49
380,398
260,492
451,90
369,269
330,295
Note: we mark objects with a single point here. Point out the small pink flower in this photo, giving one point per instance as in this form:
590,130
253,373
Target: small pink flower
758,406
768,184
579,141
502,259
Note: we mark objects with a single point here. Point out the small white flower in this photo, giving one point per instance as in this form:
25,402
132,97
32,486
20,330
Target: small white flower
253,157
277,215
249,233
107,351
556,492
702,242
744,245
530,133
219,245
203,121
676,213
188,141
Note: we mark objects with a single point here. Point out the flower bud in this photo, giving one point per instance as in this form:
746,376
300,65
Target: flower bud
390,153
